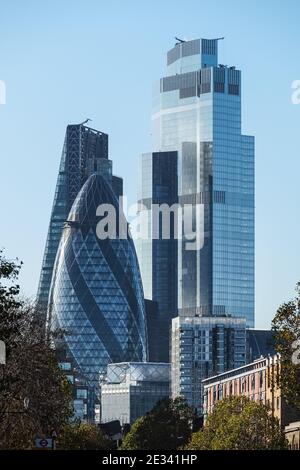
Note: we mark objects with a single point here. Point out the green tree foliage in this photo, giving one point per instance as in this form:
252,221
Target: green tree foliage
286,328
237,423
35,396
9,302
83,436
168,427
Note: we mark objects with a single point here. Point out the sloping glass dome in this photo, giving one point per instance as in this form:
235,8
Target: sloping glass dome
96,294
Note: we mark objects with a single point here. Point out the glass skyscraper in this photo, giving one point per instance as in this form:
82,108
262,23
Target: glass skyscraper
158,257
85,151
197,113
96,296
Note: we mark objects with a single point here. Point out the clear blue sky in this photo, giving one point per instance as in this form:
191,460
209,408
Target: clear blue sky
64,61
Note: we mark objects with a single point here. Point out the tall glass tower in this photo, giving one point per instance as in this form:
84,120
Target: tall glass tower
158,256
197,113
85,151
96,296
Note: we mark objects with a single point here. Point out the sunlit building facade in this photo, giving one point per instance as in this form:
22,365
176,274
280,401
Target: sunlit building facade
197,113
258,381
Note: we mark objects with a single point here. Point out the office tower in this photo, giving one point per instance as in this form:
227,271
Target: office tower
85,151
197,113
202,347
133,389
153,330
158,186
96,295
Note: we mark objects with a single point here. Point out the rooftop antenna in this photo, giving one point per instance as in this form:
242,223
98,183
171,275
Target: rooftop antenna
220,39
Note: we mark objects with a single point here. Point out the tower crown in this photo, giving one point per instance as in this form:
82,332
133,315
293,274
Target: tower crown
198,52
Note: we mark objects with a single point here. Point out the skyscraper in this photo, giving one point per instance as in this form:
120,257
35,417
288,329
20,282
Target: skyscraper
197,113
202,347
96,295
158,257
85,151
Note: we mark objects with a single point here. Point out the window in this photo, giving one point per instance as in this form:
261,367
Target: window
82,393
219,87
233,89
65,365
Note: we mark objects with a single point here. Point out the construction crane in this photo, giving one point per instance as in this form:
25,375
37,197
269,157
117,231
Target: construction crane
85,122
179,40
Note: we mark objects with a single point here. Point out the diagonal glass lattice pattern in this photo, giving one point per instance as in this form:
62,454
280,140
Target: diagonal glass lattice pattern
133,373
85,151
96,294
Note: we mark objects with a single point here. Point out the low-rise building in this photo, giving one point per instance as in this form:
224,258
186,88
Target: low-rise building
131,389
259,381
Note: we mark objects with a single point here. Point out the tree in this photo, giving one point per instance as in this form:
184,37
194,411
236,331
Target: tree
83,436
286,328
168,426
237,423
9,302
35,396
